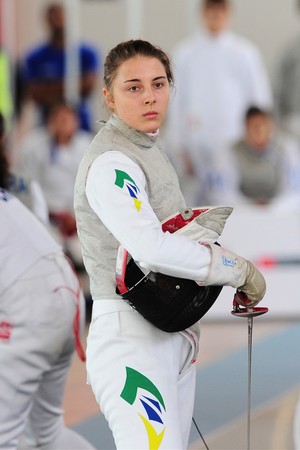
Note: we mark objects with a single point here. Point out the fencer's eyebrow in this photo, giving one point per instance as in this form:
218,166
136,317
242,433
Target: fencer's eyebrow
135,80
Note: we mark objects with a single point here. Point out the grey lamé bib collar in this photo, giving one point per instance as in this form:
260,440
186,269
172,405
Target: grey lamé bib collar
137,137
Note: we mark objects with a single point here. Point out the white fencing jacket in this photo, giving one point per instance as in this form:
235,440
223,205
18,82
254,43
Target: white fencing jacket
216,79
23,240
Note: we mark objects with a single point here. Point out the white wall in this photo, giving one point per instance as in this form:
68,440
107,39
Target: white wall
269,23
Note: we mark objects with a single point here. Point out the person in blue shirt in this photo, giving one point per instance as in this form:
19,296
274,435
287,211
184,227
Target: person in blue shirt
44,69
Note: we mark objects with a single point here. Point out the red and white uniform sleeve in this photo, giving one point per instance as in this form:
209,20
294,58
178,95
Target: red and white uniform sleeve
115,189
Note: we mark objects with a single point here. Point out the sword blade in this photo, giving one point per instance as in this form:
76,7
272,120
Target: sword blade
250,333
248,313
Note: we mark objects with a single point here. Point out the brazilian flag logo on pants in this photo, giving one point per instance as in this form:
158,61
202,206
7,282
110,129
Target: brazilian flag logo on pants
153,404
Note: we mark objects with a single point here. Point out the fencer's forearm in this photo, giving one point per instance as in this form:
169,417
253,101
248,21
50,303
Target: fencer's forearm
176,256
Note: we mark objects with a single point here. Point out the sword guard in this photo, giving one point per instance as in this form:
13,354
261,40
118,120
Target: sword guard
240,311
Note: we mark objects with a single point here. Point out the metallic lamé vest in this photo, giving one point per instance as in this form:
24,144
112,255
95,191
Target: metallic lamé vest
99,247
260,172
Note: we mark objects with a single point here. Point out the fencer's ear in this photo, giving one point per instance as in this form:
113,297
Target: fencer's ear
109,100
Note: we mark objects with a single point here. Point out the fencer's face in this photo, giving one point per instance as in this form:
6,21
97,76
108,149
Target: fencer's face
140,93
259,129
215,18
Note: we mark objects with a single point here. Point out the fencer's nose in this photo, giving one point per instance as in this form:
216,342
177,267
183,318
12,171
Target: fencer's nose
150,97
150,101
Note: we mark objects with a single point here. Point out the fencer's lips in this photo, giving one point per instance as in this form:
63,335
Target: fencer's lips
151,114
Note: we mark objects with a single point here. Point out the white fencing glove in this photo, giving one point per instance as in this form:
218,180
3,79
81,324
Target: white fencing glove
204,223
229,269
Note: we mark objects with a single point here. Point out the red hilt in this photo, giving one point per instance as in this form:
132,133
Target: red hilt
241,311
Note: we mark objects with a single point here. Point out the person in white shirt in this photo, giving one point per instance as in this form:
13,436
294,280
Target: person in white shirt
218,75
143,376
51,155
42,314
287,85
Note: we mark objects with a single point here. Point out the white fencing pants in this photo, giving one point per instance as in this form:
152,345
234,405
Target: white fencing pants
143,378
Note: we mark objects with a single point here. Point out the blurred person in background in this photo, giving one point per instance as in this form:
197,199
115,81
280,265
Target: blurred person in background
218,75
26,189
267,162
287,85
51,155
44,69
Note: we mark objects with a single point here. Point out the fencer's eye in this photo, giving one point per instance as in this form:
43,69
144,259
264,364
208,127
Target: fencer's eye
133,88
159,85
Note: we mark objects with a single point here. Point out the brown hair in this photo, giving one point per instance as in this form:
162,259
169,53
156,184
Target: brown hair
212,3
254,110
129,49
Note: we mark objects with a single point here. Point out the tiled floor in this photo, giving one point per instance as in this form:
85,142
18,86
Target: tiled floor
221,406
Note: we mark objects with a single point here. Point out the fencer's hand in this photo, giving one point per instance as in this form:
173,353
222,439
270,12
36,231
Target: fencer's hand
254,287
229,269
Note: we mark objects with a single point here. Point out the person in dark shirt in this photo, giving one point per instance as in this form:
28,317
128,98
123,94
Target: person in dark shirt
44,69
